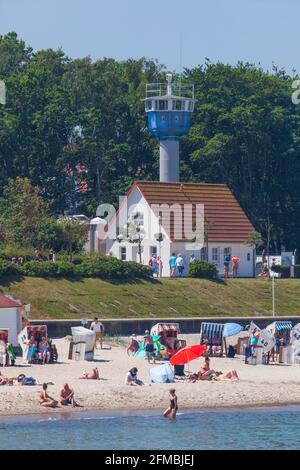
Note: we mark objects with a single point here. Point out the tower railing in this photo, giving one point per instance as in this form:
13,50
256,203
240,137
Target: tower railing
182,90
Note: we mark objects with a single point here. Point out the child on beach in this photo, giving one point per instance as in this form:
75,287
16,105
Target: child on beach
173,407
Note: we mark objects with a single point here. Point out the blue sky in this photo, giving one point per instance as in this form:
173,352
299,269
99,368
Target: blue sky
262,31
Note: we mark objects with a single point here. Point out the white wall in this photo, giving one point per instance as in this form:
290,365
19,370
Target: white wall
137,203
237,249
10,318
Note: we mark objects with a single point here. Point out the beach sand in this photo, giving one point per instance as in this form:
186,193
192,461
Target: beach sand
259,385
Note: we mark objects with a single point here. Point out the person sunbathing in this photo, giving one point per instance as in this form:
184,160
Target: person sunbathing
91,375
45,399
67,396
205,372
230,375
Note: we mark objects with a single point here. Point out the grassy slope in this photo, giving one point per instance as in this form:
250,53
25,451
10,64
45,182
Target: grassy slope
168,298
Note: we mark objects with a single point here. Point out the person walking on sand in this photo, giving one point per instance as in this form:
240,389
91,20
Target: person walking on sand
98,328
173,407
148,346
45,399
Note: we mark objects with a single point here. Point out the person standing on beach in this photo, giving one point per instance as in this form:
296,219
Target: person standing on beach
98,328
173,407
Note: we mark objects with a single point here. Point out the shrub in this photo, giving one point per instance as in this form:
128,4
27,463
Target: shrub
103,267
107,267
49,269
283,269
9,269
203,269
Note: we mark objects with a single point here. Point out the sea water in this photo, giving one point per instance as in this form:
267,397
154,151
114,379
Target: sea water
260,428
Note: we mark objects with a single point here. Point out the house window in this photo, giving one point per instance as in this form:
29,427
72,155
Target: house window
153,251
215,255
123,253
227,251
203,254
138,219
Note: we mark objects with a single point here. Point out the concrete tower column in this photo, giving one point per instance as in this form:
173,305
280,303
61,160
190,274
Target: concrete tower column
169,161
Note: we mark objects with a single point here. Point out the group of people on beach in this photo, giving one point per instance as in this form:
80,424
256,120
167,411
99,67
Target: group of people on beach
67,397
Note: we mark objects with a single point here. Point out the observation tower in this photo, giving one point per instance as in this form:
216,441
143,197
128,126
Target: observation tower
169,107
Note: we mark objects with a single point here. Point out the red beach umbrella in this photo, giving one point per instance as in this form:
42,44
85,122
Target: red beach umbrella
187,354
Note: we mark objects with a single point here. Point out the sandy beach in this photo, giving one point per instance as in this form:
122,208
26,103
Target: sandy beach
259,385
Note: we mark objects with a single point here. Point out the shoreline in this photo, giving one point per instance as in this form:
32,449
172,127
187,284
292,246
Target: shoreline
69,413
259,386
95,413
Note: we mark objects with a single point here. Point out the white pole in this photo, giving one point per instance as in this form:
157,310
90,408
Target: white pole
273,294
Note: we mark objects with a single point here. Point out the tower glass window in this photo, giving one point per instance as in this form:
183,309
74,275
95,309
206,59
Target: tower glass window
176,105
162,105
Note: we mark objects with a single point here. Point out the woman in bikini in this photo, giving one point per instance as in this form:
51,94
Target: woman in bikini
173,407
205,372
45,399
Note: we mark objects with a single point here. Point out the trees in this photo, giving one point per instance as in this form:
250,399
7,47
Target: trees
23,212
77,130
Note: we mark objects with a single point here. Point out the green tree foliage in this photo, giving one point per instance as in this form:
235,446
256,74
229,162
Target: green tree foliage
23,212
77,130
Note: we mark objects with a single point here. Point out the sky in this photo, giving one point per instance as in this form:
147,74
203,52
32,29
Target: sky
178,33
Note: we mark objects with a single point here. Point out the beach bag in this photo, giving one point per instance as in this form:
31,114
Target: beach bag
29,381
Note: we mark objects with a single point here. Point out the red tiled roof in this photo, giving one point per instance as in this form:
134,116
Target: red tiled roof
5,302
225,220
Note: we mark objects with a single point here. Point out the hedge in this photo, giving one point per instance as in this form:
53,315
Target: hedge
203,269
297,270
97,267
283,269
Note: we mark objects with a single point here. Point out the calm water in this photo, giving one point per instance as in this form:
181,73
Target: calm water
265,428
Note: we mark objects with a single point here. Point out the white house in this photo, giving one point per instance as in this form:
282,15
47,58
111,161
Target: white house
10,318
197,218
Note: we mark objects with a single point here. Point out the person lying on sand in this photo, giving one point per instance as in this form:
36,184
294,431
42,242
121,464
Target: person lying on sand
91,375
45,399
131,377
6,380
67,396
23,380
230,375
